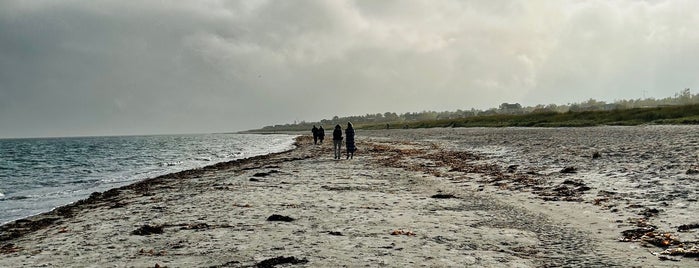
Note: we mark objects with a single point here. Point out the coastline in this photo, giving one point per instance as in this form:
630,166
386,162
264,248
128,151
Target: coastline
392,205
39,175
18,228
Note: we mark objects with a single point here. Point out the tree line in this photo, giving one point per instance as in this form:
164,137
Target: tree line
391,119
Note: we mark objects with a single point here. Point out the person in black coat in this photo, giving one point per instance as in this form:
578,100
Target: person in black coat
315,134
321,134
349,141
337,141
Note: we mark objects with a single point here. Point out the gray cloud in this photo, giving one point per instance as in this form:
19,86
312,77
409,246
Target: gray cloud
140,67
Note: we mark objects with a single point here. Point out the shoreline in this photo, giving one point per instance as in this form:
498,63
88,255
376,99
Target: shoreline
44,219
395,204
96,164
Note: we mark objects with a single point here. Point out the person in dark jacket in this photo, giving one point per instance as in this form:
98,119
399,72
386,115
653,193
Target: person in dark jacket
337,141
315,134
349,141
321,134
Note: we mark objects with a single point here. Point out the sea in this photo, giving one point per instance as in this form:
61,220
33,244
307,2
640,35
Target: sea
40,174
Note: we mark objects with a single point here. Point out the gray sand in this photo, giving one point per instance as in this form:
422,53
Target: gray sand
378,208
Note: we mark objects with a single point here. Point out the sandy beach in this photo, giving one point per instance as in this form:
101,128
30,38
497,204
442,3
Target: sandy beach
510,197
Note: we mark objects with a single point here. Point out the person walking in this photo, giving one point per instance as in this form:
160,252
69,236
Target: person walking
349,141
337,141
315,134
321,134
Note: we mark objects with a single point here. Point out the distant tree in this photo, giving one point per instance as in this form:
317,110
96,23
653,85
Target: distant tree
684,97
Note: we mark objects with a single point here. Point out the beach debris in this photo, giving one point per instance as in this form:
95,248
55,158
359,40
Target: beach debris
568,190
512,168
663,257
596,155
568,170
158,266
242,205
335,233
402,232
635,234
195,226
64,211
650,212
63,230
265,174
392,245
152,252
291,205
9,248
346,188
660,239
177,244
600,200
679,251
606,193
148,230
443,196
640,222
269,263
117,205
228,264
687,227
254,179
691,252
21,227
576,183
651,236
277,217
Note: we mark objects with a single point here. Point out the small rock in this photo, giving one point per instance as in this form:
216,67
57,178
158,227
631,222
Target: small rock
148,230
569,170
512,168
687,227
280,260
277,217
443,196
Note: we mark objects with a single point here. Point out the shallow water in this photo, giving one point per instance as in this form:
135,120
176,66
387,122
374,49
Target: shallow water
37,175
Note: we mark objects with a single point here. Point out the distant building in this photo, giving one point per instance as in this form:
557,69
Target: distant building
507,108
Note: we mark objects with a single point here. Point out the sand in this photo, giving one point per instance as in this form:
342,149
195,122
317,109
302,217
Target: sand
436,197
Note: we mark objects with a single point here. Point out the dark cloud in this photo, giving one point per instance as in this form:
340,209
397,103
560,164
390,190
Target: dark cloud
140,67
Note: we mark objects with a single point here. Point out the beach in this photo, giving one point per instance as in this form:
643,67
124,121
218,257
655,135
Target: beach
473,197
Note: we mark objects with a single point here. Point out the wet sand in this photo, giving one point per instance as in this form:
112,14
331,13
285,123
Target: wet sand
437,197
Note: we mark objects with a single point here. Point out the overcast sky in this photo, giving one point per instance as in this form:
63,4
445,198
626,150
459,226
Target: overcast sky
89,67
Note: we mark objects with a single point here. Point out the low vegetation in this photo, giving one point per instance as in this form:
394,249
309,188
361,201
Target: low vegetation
686,114
681,109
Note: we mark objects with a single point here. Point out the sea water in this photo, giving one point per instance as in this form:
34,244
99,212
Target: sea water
37,175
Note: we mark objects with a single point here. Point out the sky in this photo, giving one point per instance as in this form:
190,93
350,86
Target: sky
114,67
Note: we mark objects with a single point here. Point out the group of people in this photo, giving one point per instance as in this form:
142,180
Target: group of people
319,135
